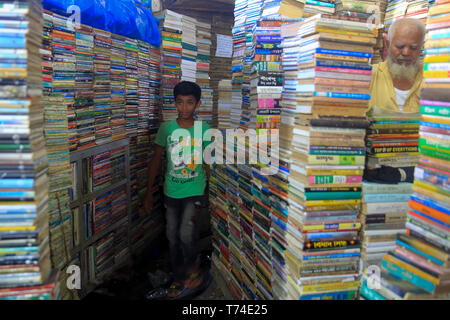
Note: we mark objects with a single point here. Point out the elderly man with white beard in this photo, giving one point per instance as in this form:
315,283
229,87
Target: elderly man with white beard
395,84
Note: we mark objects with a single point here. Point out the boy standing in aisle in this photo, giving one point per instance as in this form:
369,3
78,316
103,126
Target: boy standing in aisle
184,187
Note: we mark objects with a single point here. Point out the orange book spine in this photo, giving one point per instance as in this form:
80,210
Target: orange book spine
429,211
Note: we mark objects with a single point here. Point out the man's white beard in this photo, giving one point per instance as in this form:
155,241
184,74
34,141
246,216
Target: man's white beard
402,72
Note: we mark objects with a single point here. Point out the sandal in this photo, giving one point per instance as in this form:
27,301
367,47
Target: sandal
176,287
194,280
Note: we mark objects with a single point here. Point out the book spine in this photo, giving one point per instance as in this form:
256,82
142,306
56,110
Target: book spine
341,57
344,53
436,66
342,295
336,160
334,179
370,198
344,70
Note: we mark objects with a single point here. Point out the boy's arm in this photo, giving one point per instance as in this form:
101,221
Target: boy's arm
207,169
153,169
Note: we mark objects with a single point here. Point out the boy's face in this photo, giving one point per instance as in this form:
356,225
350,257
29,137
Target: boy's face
186,106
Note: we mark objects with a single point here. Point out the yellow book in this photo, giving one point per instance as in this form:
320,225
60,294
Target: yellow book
346,32
330,286
439,9
438,19
430,187
412,269
346,38
318,172
343,226
436,74
437,43
401,154
431,194
313,203
29,228
345,58
443,58
336,160
436,119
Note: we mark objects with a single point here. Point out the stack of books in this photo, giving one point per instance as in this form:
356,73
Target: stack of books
24,222
222,65
239,37
219,221
84,87
417,9
374,9
383,216
131,87
234,228
139,166
171,58
155,86
419,266
204,113
265,109
190,49
392,140
224,104
56,136
47,52
64,67
322,138
118,80
102,86
313,7
395,10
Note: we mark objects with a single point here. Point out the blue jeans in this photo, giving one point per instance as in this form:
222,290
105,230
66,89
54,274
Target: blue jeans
182,233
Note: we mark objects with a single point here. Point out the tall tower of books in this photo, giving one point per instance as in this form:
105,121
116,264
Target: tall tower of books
24,216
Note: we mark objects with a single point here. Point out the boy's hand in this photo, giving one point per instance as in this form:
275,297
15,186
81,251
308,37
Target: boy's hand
148,203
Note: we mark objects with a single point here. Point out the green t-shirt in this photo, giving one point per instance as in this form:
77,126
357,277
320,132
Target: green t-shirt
183,179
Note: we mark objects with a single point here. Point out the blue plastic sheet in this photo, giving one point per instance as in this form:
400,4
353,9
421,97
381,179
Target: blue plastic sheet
121,17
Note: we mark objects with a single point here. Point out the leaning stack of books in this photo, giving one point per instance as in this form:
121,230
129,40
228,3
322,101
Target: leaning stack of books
419,266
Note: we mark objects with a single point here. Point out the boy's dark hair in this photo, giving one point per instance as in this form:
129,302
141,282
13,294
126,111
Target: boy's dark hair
188,88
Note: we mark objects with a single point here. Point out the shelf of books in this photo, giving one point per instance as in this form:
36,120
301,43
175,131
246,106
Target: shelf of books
100,212
418,265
